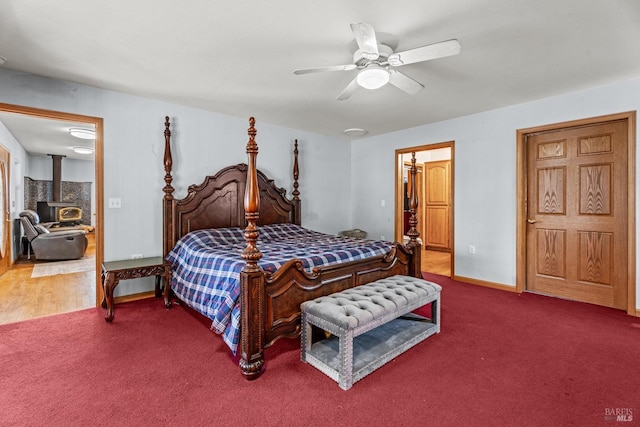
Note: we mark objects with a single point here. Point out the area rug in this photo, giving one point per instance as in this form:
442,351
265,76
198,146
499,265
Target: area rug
63,267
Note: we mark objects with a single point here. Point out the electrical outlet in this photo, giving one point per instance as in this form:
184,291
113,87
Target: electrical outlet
115,203
136,256
472,249
383,203
382,238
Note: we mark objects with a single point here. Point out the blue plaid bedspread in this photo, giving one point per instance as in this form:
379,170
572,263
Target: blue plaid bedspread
206,265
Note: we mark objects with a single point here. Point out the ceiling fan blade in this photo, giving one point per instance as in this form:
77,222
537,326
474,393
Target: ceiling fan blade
425,53
366,38
347,67
404,82
348,91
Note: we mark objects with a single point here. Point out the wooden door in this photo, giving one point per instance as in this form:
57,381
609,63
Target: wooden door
577,213
5,222
437,205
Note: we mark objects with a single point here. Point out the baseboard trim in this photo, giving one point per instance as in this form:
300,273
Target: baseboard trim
134,297
484,283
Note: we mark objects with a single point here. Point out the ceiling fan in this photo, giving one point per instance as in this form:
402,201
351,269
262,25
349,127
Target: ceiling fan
376,62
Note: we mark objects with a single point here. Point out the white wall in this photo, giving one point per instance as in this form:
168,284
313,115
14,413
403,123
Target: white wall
18,163
203,142
485,173
435,155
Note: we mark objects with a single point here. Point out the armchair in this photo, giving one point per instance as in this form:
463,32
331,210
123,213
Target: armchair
49,246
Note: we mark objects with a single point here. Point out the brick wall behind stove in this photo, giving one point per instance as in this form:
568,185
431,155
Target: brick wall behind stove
79,193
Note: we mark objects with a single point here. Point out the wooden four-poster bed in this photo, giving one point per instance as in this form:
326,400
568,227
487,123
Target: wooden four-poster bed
242,208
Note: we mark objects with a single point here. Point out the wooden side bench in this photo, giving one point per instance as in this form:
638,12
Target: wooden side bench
371,324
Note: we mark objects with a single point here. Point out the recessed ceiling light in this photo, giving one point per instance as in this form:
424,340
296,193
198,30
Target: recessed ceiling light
355,132
82,133
82,150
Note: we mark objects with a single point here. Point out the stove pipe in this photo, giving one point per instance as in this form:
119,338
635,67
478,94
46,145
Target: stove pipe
57,176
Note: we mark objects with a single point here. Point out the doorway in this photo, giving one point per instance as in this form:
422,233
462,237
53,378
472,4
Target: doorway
576,222
435,203
97,124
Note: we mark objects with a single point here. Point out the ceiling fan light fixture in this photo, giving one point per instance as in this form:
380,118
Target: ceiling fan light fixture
82,150
82,133
373,77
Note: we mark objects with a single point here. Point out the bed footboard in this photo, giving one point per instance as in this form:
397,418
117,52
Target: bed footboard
290,286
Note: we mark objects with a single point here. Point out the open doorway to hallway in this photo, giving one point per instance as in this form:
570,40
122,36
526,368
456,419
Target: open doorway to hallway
434,187
31,287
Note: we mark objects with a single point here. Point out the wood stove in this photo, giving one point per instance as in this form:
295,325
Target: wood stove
62,212
66,213
70,214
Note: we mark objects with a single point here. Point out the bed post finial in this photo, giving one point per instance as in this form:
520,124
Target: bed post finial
251,276
168,237
413,201
251,253
296,193
297,215
168,162
252,132
413,232
168,189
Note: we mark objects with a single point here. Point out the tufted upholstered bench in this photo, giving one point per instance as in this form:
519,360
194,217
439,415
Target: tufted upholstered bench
371,324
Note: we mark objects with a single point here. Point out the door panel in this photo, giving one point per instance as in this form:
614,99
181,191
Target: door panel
577,216
437,233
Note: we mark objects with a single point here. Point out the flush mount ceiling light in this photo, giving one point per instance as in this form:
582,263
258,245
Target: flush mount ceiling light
82,133
353,132
373,77
82,150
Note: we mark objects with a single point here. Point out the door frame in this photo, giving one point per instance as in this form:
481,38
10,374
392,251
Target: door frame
99,170
6,260
521,198
399,205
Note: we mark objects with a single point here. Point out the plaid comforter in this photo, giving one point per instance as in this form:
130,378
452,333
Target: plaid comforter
206,265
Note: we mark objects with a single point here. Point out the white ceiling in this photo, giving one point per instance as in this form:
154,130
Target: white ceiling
41,136
238,57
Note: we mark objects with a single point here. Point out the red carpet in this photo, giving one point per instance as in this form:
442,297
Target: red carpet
501,359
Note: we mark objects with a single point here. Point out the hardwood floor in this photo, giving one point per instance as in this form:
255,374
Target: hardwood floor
436,262
23,297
